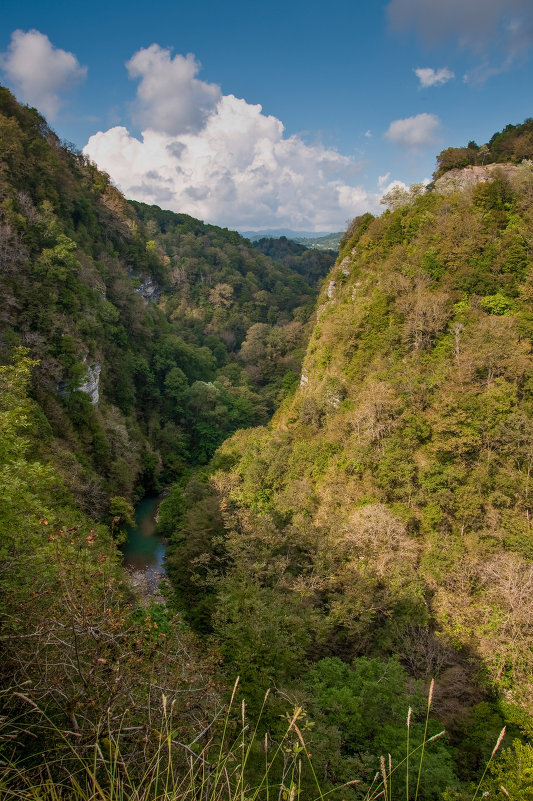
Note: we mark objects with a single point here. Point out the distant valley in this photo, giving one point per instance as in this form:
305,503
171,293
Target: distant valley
318,241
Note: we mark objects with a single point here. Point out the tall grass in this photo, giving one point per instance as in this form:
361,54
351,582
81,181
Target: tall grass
220,764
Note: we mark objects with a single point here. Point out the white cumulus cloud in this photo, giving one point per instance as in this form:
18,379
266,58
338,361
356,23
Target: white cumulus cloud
39,72
414,132
170,98
224,160
388,187
430,77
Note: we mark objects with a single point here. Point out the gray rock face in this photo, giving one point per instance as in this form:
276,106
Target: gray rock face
459,180
91,385
331,289
345,265
149,290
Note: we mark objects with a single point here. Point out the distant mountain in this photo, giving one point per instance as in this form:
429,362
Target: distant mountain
277,232
327,242
313,264
318,240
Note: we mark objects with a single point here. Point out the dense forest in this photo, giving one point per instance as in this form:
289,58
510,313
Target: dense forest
188,331
373,536
380,527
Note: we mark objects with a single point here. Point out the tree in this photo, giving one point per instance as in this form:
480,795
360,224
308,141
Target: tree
122,513
453,158
483,153
399,196
363,708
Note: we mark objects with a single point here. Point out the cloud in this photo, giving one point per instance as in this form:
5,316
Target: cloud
485,70
170,99
431,77
499,32
414,132
388,187
382,180
227,162
40,72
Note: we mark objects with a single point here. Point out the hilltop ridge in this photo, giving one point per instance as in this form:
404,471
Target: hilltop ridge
511,145
459,179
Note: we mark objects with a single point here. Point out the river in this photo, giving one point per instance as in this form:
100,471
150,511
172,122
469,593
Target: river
144,550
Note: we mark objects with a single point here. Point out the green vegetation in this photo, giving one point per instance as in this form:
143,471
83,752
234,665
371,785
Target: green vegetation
385,513
80,662
80,275
327,242
374,536
513,144
313,265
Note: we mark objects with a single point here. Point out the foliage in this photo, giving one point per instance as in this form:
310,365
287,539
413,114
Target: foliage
72,642
513,144
313,264
374,535
160,302
385,512
364,709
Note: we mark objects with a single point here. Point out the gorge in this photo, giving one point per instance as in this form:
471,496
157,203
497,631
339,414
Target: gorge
348,448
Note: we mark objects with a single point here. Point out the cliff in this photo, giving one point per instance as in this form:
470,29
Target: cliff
459,180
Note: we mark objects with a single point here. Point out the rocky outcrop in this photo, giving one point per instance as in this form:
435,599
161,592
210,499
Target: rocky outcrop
149,290
91,385
355,289
345,265
459,180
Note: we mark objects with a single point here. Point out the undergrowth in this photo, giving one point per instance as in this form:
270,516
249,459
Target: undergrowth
222,763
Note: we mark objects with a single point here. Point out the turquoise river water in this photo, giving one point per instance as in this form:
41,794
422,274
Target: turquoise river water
144,550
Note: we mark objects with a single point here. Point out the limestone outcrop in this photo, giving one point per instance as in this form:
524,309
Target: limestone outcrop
91,385
460,179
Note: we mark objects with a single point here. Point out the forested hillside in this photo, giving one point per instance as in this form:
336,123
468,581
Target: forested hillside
176,332
132,342
312,264
373,536
381,525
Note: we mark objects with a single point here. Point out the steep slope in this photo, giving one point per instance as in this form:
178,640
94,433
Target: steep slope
156,335
386,511
132,341
376,534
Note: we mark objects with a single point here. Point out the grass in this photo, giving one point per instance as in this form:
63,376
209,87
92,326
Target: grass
215,766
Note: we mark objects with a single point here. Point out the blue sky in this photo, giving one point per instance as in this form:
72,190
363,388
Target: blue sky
343,114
